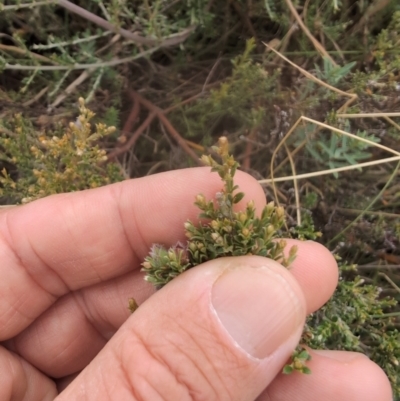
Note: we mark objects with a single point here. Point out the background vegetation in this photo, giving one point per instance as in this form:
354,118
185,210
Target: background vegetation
306,92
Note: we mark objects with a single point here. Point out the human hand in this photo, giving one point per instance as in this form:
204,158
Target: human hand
221,331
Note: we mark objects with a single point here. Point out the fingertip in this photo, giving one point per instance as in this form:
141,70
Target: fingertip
335,375
363,378
316,270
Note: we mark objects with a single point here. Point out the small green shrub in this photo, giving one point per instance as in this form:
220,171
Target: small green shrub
45,163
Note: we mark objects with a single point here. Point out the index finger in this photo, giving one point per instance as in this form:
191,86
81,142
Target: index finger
70,241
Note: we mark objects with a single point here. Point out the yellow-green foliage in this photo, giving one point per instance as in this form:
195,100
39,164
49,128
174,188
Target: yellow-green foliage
358,318
386,52
45,163
225,232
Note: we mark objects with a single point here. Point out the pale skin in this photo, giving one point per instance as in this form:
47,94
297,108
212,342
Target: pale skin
69,264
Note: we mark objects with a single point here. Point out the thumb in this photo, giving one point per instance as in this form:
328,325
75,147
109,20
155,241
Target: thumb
221,331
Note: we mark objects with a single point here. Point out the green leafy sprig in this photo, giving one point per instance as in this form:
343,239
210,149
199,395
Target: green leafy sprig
222,231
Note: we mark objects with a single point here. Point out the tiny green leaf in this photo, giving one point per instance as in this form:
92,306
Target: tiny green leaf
287,370
238,197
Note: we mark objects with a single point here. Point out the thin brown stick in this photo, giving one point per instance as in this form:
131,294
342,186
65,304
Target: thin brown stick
314,41
310,76
211,73
24,52
172,40
110,63
25,5
131,120
133,115
36,97
285,42
175,134
71,88
246,164
132,140
373,8
170,128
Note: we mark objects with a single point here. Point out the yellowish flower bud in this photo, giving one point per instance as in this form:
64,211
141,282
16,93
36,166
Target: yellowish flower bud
293,251
242,217
223,145
214,224
270,230
280,211
250,204
171,255
200,199
215,236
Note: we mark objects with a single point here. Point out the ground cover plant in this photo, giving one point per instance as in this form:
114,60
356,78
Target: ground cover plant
308,94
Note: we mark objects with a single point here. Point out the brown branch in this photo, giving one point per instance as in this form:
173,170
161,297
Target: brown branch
25,52
36,97
246,164
170,128
373,8
172,40
133,138
71,88
154,111
314,41
133,115
175,134
128,126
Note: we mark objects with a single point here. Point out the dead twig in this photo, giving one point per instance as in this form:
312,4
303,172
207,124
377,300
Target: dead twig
111,63
24,52
170,128
307,74
154,112
314,41
246,164
71,88
35,98
132,140
128,127
133,115
373,8
211,73
171,40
